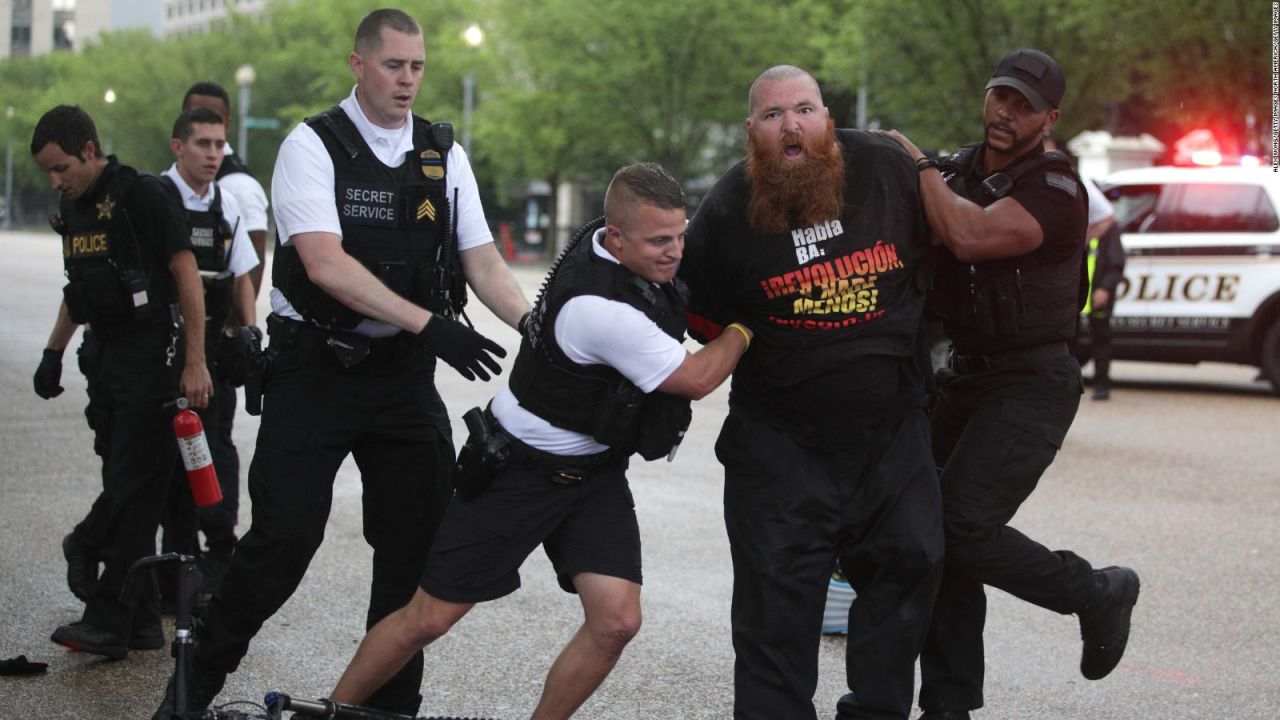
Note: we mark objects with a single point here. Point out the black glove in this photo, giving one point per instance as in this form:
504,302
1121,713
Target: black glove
49,374
465,349
253,330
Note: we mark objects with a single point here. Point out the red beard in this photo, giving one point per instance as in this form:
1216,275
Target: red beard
789,194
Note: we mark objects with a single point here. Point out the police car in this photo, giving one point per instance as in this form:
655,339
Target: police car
1202,273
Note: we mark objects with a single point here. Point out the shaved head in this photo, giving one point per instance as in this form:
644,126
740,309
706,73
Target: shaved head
775,74
369,33
640,184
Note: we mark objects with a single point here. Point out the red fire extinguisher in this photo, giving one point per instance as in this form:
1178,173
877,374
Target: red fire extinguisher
195,456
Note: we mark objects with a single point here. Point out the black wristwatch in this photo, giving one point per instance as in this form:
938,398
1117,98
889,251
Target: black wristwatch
925,163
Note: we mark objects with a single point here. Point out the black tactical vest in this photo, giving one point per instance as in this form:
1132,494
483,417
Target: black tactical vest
395,221
107,283
211,237
1009,303
231,164
597,400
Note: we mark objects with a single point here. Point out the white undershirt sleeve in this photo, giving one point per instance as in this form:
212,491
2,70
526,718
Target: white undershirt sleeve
251,198
594,331
473,228
243,257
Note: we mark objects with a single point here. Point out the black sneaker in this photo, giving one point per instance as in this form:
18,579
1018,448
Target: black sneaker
203,685
83,637
1104,625
945,715
82,570
1101,392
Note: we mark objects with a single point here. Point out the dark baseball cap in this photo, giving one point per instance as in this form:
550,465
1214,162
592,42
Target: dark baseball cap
1034,74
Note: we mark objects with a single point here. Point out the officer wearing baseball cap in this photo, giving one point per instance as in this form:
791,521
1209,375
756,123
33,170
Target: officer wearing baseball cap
1035,75
1011,218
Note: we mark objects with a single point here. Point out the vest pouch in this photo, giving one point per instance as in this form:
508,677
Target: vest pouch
662,424
983,310
217,300
77,303
397,276
106,296
1005,308
616,417
135,284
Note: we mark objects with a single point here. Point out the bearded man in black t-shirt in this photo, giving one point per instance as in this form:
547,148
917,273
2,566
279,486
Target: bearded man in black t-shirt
815,241
1012,220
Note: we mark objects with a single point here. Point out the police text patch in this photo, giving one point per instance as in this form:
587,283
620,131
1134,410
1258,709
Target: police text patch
85,245
367,204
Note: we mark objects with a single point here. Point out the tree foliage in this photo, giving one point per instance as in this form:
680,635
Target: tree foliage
588,85
1140,66
571,89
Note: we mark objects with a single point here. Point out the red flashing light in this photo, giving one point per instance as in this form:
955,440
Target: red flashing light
1198,147
1202,148
1206,158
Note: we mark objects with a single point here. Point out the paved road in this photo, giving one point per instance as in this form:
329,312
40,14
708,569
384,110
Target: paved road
1178,475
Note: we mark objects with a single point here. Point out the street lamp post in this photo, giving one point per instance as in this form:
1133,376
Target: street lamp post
109,97
8,167
473,36
244,79
468,94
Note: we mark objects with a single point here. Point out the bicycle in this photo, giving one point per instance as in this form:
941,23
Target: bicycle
274,703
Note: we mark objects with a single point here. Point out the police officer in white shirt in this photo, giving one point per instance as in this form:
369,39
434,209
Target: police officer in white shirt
367,275
225,257
602,374
233,175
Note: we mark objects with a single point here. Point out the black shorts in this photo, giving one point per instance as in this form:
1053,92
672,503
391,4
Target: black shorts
481,544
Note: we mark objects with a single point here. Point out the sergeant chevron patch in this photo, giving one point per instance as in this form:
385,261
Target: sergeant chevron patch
427,210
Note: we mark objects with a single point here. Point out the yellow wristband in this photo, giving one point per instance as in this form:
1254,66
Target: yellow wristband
742,329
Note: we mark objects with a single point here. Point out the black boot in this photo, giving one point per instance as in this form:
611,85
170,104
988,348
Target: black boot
1101,378
83,637
1104,625
82,568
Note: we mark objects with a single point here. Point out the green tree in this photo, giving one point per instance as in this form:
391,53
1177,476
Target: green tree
1144,65
585,86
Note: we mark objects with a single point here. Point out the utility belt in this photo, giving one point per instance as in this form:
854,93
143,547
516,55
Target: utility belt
347,351
490,448
558,469
968,364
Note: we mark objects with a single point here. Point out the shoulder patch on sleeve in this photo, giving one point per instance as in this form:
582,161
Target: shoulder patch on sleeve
1065,183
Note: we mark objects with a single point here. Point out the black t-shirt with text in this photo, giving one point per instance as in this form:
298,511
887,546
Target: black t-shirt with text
835,307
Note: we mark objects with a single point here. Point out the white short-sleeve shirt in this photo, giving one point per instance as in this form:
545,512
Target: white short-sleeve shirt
249,195
241,257
594,331
1099,206
302,191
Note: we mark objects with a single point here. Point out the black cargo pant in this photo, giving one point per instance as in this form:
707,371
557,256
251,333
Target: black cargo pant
790,511
97,411
995,432
387,413
1100,345
130,387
